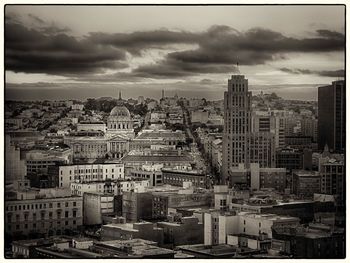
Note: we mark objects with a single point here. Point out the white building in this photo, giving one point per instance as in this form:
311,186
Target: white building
217,226
89,173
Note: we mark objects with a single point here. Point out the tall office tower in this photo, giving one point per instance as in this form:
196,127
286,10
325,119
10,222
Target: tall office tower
237,125
162,94
331,116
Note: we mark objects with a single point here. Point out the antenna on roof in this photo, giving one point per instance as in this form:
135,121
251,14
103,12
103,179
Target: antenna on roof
237,67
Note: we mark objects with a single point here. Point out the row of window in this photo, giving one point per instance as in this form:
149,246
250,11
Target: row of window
35,225
38,206
26,215
82,171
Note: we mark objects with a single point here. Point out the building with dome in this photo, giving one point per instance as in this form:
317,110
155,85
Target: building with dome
120,122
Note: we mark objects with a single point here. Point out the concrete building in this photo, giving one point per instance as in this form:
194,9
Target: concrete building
218,226
268,121
306,183
332,173
39,160
15,168
289,158
309,127
177,177
43,215
163,200
89,145
314,242
127,231
183,231
261,178
169,159
136,206
97,205
88,173
331,116
237,124
262,149
153,173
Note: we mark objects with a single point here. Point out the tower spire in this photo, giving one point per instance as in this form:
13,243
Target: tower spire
237,67
120,95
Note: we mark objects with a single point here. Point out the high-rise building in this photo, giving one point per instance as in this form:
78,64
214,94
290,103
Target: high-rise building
331,116
262,149
267,121
237,124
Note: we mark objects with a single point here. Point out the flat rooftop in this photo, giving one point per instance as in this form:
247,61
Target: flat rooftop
221,250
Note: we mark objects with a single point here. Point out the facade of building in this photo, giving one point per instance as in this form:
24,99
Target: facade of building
237,124
96,205
176,177
262,149
136,206
161,201
332,173
184,231
46,216
15,168
218,225
331,116
289,158
89,173
89,145
153,173
305,184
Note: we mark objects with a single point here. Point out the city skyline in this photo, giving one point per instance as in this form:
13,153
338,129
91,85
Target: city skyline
174,132
129,50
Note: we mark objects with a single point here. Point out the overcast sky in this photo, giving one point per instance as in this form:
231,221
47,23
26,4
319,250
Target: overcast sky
62,52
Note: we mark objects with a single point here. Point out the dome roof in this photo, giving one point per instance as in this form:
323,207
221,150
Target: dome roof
120,111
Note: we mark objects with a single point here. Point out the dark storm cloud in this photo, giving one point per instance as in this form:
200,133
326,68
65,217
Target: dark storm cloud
137,41
256,46
322,73
222,46
53,52
48,48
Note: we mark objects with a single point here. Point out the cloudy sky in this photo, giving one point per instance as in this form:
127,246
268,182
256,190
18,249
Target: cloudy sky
61,52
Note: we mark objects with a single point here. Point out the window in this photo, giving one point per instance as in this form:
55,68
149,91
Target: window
66,214
66,204
74,203
50,205
58,205
74,213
